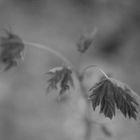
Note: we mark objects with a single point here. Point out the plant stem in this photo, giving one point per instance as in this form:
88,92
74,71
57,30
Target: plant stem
46,48
96,66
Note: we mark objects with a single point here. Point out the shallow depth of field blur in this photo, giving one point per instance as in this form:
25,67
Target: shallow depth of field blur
26,113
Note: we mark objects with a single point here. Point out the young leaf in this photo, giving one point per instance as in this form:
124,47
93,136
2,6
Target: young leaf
111,94
86,41
60,76
11,50
84,44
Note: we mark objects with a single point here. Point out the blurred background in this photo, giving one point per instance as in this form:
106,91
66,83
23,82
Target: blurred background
26,113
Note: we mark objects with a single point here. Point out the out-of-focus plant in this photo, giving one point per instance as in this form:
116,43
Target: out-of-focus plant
11,50
108,93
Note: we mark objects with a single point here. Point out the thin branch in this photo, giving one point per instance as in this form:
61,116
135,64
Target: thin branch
46,48
94,66
103,73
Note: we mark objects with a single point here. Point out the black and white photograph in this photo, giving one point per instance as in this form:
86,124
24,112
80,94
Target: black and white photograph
69,70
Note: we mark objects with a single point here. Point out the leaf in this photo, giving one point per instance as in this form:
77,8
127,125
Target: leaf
128,99
84,44
111,94
96,98
11,50
85,41
61,76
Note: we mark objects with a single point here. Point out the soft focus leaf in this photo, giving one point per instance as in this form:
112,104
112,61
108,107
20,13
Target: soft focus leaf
85,41
111,94
84,44
11,49
62,77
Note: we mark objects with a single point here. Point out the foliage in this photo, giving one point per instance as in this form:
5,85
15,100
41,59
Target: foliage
108,93
111,94
11,49
61,76
85,42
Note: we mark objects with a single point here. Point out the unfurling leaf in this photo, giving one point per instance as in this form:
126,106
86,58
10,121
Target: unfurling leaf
111,94
11,48
60,77
85,42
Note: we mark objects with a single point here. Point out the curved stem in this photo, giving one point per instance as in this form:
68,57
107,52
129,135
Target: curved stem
96,66
46,48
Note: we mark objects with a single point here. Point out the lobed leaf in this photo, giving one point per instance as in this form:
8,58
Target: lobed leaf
110,94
